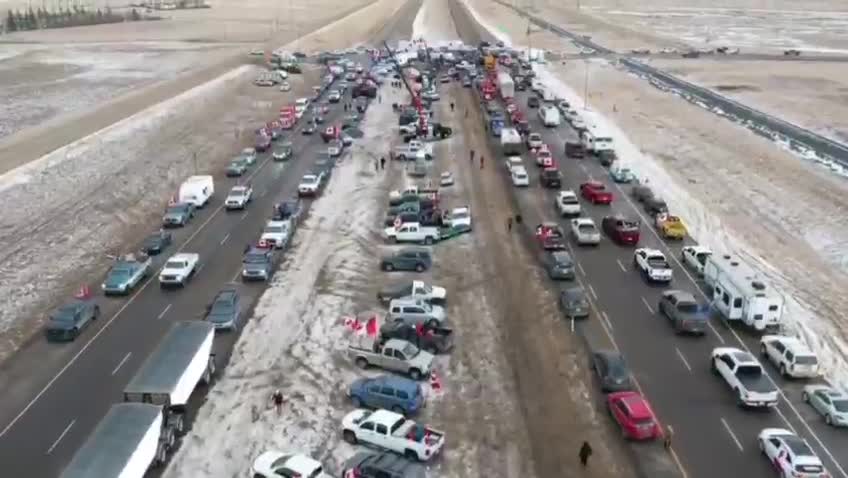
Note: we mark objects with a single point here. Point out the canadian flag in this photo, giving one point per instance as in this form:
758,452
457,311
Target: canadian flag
84,292
172,201
421,331
353,323
371,327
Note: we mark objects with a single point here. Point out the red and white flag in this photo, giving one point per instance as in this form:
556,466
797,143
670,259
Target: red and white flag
84,292
371,327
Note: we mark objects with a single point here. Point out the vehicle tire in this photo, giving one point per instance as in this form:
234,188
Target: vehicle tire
739,400
357,402
349,437
75,333
783,370
410,455
828,419
419,268
361,363
161,455
713,367
415,374
805,397
428,240
179,425
399,410
394,240
388,267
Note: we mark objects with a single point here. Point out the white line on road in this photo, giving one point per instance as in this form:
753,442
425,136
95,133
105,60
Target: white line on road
785,420
720,338
623,269
606,319
244,216
64,432
732,435
121,363
200,268
224,240
592,291
682,358
164,311
645,301
580,266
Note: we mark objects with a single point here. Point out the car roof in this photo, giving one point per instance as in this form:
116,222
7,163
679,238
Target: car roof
384,417
651,252
796,444
561,255
698,249
637,405
398,383
584,220
567,192
681,295
182,256
794,344
574,291
743,357
302,464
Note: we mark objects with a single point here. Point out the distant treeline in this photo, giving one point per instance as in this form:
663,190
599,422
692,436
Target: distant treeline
21,21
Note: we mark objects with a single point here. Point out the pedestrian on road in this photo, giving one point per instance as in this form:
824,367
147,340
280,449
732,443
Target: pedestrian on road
383,162
345,106
482,160
585,453
452,106
471,157
509,224
668,434
278,400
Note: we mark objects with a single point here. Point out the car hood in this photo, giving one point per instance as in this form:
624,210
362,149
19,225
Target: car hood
113,281
255,266
152,245
438,292
422,361
264,462
174,215
220,318
60,325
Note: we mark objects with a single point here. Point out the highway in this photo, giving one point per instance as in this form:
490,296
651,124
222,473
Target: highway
713,436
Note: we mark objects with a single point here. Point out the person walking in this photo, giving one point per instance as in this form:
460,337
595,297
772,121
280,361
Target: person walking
452,106
509,224
278,400
471,156
376,165
585,453
669,432
383,162
482,160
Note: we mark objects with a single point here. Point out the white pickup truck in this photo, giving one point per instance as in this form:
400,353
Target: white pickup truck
391,431
239,197
414,150
412,232
653,264
745,376
415,289
179,269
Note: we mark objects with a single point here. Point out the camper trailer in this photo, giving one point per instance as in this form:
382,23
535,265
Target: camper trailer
740,294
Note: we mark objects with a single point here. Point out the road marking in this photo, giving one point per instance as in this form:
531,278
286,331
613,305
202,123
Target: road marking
200,268
64,432
785,420
683,359
732,435
720,338
235,277
606,319
164,311
623,269
645,301
224,240
677,461
121,363
244,216
580,266
592,291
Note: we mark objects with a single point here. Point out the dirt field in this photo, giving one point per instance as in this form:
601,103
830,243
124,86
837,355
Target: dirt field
813,95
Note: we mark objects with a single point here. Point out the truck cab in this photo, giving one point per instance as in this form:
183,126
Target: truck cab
197,190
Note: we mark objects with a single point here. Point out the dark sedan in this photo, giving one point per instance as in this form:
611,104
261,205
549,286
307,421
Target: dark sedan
574,303
612,371
236,168
310,129
68,321
156,242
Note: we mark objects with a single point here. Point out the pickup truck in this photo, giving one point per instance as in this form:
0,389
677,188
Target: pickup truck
127,272
412,232
436,340
396,196
395,355
416,289
745,376
414,150
238,197
179,269
391,431
652,264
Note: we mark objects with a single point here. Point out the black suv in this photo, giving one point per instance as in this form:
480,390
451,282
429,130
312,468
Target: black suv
382,465
550,178
410,259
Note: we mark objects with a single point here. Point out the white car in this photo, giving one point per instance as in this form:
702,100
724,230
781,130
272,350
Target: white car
519,176
179,269
446,179
696,257
285,86
239,197
276,233
567,203
534,141
347,140
829,402
309,185
335,149
513,162
391,431
578,123
791,356
790,454
653,264
249,155
410,128
276,464
744,375
334,96
458,216
585,232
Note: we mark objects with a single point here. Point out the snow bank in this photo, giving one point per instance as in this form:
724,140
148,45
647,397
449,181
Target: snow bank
433,23
495,32
296,341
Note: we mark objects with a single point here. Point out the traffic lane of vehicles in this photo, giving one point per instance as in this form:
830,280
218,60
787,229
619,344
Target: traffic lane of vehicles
654,361
794,413
150,304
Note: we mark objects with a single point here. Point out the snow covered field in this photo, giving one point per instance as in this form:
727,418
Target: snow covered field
736,191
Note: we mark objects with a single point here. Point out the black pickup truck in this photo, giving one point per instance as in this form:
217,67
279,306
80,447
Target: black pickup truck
436,340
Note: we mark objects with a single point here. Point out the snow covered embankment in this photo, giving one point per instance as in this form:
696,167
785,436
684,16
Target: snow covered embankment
295,341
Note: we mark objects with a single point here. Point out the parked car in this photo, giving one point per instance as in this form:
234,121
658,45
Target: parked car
436,340
382,465
790,455
574,303
533,102
550,236
641,193
391,431
398,394
634,415
290,209
655,206
696,257
236,168
584,231
408,259
567,203
225,310
560,265
283,152
276,464
178,215
830,403
258,264
612,371
621,229
416,289
683,311
156,243
414,311
67,322
574,150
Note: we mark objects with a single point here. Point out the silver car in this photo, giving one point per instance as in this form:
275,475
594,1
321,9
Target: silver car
829,402
416,311
574,303
560,266
585,232
683,311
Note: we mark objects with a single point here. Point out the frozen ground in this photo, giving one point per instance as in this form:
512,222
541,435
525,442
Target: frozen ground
809,95
433,22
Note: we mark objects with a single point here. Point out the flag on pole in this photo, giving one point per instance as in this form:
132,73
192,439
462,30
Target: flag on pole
371,328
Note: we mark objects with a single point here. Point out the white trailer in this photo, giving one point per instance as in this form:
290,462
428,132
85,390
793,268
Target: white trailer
182,361
740,295
511,141
125,444
506,85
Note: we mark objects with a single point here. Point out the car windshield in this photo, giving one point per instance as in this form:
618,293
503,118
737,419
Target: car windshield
688,307
840,406
410,351
254,258
119,273
586,229
702,257
751,371
460,215
176,209
64,314
274,229
222,307
535,137
616,367
658,262
427,289
237,193
806,360
175,264
152,239
569,200
309,179
629,225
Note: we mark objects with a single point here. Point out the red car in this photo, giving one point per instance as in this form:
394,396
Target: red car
550,236
621,230
595,192
634,415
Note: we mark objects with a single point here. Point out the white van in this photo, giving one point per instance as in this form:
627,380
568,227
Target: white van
597,143
548,96
300,106
549,116
197,190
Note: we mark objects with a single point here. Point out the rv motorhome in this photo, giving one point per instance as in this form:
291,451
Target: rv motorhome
739,294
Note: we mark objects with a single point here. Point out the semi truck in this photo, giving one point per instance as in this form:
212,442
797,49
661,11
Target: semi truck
506,85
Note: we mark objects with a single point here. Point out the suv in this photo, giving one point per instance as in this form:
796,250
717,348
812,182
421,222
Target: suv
550,178
398,394
225,311
416,311
791,356
367,464
410,259
560,266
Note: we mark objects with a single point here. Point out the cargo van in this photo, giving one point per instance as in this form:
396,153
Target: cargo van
595,142
549,116
197,190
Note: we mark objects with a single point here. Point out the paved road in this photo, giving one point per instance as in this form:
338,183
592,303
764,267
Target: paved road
713,437
799,139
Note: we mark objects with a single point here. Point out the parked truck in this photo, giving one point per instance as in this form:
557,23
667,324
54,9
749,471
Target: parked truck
506,85
392,431
395,355
740,294
414,150
436,340
182,361
126,273
511,141
412,232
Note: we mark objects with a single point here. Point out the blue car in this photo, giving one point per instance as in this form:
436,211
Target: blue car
398,394
66,323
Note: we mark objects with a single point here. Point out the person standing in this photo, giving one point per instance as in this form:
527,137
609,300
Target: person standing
376,165
278,400
471,156
509,224
667,439
482,160
452,106
585,453
383,162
